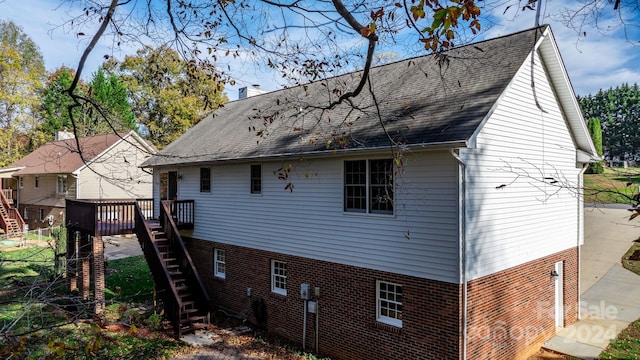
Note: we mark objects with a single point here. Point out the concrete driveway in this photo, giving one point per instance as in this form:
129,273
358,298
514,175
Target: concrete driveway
610,294
120,247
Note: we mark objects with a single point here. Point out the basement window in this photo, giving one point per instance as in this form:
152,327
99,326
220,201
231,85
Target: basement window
389,303
279,277
219,264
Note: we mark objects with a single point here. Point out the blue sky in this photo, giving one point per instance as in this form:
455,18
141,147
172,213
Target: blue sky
593,62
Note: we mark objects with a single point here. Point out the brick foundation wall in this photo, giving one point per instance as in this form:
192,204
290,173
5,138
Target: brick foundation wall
347,305
511,313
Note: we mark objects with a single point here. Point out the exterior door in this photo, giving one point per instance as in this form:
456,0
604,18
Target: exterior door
172,186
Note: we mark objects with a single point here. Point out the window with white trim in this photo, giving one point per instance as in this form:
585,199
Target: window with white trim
389,303
41,212
256,179
205,179
219,264
368,186
279,277
62,184
20,182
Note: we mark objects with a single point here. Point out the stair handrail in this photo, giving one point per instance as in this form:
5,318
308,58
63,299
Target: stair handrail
13,212
169,224
144,237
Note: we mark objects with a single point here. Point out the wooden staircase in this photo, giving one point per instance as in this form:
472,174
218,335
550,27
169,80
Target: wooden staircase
186,301
10,220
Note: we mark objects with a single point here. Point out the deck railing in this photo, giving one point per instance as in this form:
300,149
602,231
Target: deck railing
12,212
9,195
106,217
162,277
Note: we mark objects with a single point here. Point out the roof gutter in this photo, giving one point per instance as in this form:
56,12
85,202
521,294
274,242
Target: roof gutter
462,215
445,145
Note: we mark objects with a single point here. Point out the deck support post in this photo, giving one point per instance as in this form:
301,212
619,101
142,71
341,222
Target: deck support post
71,260
98,274
85,265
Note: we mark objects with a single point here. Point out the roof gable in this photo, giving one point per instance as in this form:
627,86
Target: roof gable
63,157
425,101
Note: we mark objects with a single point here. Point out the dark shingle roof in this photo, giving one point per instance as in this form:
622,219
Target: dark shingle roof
423,101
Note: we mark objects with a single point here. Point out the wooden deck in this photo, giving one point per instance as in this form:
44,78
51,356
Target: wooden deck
117,217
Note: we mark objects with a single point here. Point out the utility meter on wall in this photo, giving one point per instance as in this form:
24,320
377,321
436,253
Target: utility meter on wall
305,292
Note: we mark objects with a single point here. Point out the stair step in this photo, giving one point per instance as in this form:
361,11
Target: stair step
193,319
188,312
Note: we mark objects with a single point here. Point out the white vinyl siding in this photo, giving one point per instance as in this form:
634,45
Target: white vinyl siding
419,239
521,180
116,174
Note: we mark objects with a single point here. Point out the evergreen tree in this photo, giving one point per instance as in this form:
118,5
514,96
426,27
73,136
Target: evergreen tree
596,135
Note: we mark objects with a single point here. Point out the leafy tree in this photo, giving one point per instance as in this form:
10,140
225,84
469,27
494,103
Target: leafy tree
21,74
111,96
105,97
596,134
619,110
56,102
168,94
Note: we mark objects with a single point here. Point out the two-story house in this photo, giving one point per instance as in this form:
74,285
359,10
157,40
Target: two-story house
94,167
437,215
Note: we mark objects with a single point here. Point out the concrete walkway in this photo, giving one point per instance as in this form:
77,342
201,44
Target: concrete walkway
610,294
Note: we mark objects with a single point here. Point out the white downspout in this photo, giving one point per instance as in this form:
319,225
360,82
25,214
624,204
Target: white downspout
580,225
463,245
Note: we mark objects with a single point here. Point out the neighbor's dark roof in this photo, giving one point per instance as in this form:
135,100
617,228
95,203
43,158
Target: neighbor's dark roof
420,101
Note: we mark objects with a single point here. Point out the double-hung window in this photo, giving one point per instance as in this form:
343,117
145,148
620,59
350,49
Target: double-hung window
219,264
389,303
256,179
62,184
279,277
205,179
368,186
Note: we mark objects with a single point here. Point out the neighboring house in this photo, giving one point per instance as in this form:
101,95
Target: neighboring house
107,167
460,241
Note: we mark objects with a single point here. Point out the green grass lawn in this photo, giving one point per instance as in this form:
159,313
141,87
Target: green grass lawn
129,280
616,185
39,304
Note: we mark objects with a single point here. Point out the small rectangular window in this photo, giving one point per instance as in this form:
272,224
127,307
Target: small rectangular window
41,214
219,264
389,303
205,180
279,277
256,179
62,184
36,182
20,182
25,213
